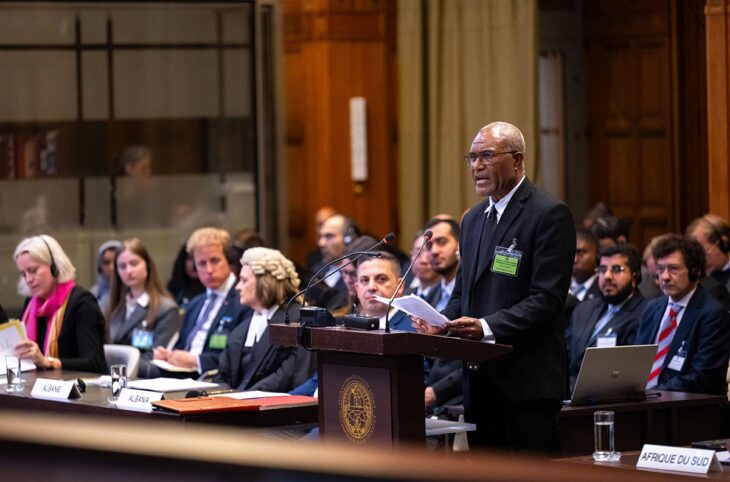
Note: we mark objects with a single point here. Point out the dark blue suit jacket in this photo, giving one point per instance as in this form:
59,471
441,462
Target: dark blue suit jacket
704,332
401,321
230,315
584,318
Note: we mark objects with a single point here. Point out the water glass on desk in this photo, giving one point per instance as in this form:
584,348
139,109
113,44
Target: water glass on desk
14,374
119,380
603,437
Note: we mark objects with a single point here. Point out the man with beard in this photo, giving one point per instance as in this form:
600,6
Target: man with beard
611,319
443,377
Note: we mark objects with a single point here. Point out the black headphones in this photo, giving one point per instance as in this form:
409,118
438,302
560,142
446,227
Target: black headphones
723,240
352,232
54,267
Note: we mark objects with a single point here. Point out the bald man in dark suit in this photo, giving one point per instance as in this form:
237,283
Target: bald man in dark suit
517,249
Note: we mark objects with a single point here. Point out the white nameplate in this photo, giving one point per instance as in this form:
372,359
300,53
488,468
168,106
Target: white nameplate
138,399
678,459
54,389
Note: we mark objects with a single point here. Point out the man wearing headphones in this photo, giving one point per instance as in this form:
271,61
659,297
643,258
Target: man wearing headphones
713,234
691,328
335,234
611,319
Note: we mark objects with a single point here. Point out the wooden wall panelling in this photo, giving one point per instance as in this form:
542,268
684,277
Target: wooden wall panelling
718,114
629,102
336,50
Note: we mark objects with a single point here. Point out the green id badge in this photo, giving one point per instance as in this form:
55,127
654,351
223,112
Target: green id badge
218,341
506,261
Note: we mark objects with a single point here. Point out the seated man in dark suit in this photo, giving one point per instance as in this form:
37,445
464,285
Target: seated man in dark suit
691,328
612,319
425,281
583,284
210,316
443,377
380,276
713,234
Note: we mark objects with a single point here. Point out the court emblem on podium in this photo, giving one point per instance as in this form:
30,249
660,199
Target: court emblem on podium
357,409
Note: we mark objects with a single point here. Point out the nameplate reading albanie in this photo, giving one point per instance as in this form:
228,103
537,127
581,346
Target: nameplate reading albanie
678,459
54,389
140,400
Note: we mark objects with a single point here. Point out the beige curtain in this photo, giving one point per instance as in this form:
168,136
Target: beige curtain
461,65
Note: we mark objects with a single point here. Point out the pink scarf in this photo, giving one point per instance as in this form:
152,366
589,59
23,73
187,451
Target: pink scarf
40,308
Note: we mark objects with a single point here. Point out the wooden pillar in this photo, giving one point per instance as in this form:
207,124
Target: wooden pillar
717,16
336,50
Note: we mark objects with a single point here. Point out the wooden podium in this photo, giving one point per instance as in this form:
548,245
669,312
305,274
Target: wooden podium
371,384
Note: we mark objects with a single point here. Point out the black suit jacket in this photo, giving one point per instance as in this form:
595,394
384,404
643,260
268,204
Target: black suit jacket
81,340
230,315
583,321
276,368
704,332
526,310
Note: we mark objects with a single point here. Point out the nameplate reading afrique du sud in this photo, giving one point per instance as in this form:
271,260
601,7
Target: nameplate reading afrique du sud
54,389
678,459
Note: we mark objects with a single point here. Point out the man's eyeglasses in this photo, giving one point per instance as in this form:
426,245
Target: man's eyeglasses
485,157
673,269
615,269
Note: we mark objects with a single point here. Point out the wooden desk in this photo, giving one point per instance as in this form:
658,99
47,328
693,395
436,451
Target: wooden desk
628,462
94,402
675,418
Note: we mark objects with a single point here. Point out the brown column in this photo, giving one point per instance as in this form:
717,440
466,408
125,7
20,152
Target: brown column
717,14
336,50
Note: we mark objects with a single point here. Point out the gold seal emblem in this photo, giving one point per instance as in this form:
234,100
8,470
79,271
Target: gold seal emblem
357,409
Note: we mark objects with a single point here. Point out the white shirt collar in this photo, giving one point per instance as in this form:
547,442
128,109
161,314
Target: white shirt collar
222,290
143,300
501,205
393,311
685,300
448,287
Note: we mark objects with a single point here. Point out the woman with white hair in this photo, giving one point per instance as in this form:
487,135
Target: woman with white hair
63,322
250,362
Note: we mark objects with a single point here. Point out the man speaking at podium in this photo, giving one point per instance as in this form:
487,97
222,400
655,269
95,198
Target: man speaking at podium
517,249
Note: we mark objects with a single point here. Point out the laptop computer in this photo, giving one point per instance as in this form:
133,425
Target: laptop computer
613,374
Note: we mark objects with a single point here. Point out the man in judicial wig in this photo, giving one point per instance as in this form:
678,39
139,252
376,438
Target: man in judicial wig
612,319
517,248
691,328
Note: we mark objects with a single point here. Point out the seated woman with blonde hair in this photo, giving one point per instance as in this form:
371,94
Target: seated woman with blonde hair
140,312
63,322
250,361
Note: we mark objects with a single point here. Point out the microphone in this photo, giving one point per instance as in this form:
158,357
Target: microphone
207,393
426,238
387,239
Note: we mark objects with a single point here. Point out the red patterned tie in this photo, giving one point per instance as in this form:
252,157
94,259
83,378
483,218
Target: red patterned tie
665,339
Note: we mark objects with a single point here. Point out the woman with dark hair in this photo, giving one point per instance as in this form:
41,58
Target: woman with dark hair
184,284
250,361
140,313
63,322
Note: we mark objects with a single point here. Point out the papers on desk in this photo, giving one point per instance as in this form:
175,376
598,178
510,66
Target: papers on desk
169,385
418,307
172,368
250,395
12,333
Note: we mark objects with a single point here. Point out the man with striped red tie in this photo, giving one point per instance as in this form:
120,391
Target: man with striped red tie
690,327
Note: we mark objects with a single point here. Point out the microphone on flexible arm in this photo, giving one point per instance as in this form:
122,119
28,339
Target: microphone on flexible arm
387,239
426,238
319,317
